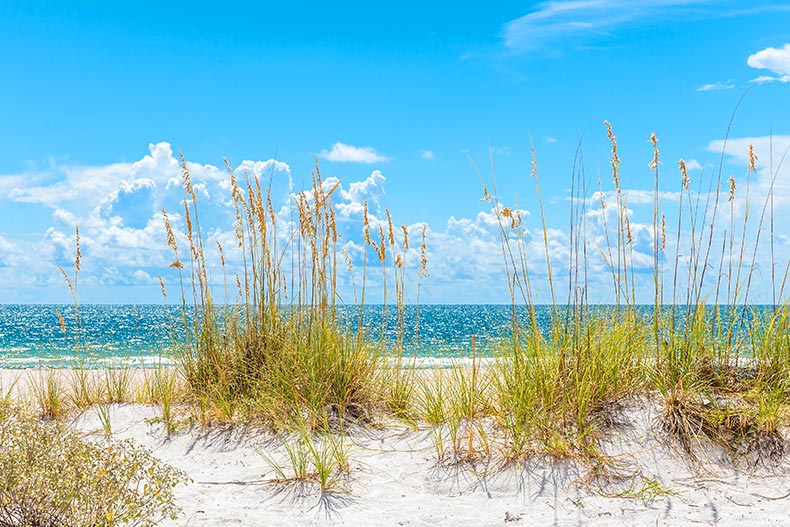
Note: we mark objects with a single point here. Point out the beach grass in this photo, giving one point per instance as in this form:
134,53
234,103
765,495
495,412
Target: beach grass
276,352
267,347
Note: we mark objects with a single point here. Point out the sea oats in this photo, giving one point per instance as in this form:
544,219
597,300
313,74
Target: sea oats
615,159
78,257
684,176
508,213
423,272
347,258
238,285
221,254
382,245
405,236
66,277
162,285
732,188
655,162
629,236
188,188
61,321
366,222
390,230
171,238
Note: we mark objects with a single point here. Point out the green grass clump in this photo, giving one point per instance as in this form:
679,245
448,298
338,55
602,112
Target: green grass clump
276,349
51,476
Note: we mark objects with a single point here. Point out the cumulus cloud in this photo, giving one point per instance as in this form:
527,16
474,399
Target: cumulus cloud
717,86
549,140
343,153
123,243
775,60
118,210
427,154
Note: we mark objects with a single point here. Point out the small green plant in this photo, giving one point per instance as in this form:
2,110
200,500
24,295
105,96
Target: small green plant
83,387
48,394
103,411
6,399
51,476
117,384
322,459
164,386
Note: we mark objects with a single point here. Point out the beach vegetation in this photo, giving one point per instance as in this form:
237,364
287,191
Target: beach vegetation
276,350
50,476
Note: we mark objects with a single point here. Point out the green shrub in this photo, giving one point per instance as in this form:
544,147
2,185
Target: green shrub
51,476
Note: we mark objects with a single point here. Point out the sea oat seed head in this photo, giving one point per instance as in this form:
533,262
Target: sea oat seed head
221,254
752,159
382,245
684,175
61,321
188,188
615,159
78,257
732,188
534,164
162,285
508,213
655,162
347,258
390,230
423,272
405,236
66,277
366,222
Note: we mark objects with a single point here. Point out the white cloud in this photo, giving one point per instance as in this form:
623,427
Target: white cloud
118,210
265,169
549,140
427,154
123,234
555,23
717,86
763,79
343,153
770,154
776,60
693,164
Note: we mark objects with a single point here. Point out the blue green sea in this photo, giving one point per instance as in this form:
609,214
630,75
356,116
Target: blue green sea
144,335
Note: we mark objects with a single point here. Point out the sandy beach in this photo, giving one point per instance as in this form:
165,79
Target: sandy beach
395,480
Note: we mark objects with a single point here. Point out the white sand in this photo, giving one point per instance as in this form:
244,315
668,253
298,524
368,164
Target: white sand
396,480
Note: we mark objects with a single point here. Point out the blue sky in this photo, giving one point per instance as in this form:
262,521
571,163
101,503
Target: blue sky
98,98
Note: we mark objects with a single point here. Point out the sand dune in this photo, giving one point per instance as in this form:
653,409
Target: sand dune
395,480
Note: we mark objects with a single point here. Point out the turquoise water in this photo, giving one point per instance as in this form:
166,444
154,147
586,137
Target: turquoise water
31,335
127,335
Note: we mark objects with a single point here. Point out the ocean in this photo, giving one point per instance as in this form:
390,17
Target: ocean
144,335
127,335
